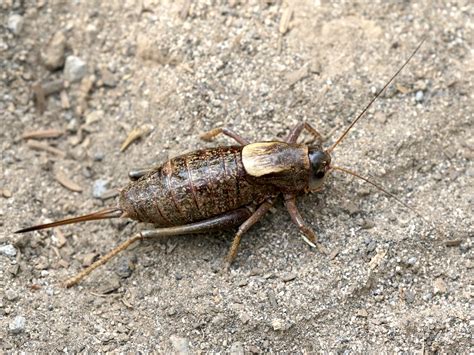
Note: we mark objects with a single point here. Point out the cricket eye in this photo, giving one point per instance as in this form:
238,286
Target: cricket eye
319,163
319,175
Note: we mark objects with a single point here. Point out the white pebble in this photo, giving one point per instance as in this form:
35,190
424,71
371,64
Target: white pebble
8,250
15,23
419,96
74,69
17,325
99,187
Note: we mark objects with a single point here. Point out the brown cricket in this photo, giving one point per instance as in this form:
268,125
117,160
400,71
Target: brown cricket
221,187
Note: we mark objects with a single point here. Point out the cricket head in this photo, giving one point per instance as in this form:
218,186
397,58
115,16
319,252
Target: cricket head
320,162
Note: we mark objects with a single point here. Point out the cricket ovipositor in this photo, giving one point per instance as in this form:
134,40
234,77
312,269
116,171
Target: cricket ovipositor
225,186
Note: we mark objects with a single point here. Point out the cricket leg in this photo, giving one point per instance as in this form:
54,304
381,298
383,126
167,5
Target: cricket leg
290,203
296,132
226,131
222,221
254,218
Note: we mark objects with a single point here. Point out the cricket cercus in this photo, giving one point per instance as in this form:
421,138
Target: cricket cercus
224,186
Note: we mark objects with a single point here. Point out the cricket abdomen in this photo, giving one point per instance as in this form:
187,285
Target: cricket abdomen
192,187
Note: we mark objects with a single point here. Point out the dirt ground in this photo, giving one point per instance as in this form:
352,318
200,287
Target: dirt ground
177,69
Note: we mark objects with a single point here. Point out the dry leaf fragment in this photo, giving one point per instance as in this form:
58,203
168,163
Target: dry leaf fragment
134,135
402,89
60,239
67,183
377,259
65,103
43,146
184,12
42,133
453,242
285,20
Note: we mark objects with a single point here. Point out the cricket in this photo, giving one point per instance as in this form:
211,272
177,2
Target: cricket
226,186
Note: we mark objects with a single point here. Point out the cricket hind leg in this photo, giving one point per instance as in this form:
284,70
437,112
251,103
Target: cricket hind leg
290,203
254,218
207,136
222,221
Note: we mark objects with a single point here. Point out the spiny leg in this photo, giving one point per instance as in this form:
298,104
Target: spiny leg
79,276
254,218
290,203
296,132
226,131
222,221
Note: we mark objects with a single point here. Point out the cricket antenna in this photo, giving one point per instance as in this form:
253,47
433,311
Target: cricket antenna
330,149
350,172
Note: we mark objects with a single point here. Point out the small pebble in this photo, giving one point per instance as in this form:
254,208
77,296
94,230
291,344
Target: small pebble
74,69
110,285
15,23
11,295
8,250
419,96
427,296
53,56
171,311
278,324
362,313
242,282
288,277
371,247
17,325
237,348
180,344
367,224
124,268
14,269
412,261
244,318
98,156
99,187
108,78
439,286
409,297
88,259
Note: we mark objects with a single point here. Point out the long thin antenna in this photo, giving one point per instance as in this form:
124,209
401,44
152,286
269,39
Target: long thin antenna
350,172
330,149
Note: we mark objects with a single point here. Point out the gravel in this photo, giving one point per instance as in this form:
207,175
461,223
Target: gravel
54,54
75,69
17,325
99,188
15,23
392,284
8,250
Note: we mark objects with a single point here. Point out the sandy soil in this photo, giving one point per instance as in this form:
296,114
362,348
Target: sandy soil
391,282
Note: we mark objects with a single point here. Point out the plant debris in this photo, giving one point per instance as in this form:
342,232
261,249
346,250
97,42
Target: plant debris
67,182
134,135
